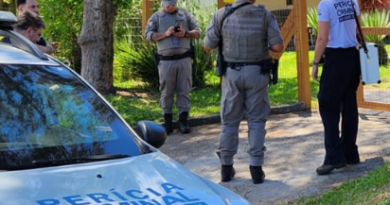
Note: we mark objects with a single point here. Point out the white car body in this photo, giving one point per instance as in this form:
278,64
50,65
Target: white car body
152,179
62,143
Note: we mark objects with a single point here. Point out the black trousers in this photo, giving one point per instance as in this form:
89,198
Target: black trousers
337,98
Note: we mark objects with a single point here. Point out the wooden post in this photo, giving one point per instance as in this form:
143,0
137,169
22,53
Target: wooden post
302,49
220,4
359,93
147,11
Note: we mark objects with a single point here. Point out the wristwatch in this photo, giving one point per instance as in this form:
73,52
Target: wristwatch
314,63
186,34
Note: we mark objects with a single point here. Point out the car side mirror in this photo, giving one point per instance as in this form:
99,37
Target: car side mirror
151,132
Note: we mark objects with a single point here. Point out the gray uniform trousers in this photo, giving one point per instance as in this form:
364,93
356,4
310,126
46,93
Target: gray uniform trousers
175,76
244,93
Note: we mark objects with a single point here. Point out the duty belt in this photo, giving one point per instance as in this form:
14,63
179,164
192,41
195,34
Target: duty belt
175,57
240,64
264,66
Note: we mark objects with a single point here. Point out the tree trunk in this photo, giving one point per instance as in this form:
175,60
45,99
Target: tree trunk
96,42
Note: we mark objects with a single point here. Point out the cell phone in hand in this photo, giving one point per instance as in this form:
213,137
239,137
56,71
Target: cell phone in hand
177,29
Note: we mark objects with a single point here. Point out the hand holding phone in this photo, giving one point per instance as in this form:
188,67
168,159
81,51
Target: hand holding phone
177,29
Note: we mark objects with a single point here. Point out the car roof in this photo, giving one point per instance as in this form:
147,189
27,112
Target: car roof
10,54
16,49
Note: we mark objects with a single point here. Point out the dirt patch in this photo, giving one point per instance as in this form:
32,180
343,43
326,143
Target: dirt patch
295,149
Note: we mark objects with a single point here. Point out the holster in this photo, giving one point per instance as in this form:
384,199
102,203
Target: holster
221,65
156,57
274,72
192,50
270,66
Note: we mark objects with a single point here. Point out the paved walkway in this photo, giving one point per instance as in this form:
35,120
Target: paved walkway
294,149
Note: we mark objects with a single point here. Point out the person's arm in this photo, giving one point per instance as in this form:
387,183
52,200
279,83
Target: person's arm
151,30
213,33
46,49
277,47
159,36
44,46
206,48
321,42
192,34
194,31
274,36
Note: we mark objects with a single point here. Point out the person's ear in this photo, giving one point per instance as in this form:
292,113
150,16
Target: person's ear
29,31
20,9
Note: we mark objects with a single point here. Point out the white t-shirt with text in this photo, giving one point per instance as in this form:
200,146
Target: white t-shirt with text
342,24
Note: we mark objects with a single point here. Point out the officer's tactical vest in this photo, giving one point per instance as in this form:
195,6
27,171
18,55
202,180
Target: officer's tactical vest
166,20
245,35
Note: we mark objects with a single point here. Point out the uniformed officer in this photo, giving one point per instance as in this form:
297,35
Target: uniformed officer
339,81
247,35
172,28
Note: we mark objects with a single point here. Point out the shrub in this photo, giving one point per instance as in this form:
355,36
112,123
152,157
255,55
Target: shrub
312,15
134,58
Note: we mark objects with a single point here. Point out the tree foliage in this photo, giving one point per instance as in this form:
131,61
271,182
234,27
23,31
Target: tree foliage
63,25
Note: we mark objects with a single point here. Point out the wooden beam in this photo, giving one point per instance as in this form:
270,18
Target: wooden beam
376,30
302,49
360,95
374,105
220,4
287,31
147,11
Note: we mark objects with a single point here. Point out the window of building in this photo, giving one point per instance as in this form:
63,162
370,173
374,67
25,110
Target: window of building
289,2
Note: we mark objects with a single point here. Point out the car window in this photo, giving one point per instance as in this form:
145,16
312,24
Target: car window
48,113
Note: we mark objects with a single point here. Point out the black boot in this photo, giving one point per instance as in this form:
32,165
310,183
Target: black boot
227,173
184,127
257,174
168,123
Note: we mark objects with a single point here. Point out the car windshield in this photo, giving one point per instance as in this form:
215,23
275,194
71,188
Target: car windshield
48,114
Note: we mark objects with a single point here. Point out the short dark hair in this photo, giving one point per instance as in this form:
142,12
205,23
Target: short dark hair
29,19
20,2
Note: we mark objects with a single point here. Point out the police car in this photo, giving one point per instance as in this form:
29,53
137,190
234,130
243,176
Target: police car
62,143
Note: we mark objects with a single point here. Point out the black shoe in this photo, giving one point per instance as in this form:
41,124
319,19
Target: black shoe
227,173
257,174
327,168
184,127
168,123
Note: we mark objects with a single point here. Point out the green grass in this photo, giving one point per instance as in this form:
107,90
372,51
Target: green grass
374,188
